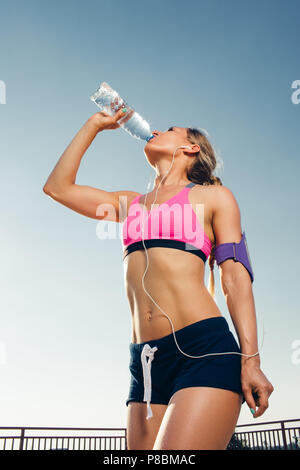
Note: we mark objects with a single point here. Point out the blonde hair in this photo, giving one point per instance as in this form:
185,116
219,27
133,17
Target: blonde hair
201,172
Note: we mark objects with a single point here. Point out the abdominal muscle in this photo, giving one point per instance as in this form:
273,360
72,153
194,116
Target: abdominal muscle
175,280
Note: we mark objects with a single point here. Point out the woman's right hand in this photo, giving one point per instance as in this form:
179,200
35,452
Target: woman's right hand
103,120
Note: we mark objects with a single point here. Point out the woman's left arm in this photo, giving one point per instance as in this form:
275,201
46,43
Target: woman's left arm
237,289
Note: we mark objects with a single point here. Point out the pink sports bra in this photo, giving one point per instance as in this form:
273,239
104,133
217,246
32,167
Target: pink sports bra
172,224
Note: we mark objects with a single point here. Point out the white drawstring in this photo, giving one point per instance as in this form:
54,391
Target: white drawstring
147,351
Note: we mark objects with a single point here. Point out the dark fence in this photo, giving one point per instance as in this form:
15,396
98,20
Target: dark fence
282,435
271,435
40,438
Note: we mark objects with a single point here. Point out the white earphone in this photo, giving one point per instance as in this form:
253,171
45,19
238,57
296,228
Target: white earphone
147,265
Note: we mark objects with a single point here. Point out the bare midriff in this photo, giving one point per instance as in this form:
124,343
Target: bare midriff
175,281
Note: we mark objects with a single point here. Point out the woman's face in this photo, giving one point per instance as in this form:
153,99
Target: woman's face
165,143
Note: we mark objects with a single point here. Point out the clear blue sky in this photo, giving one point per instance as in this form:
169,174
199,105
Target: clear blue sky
226,66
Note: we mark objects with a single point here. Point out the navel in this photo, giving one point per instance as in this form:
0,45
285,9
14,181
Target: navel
149,315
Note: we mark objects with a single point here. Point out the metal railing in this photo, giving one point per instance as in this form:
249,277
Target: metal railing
278,435
41,438
270,435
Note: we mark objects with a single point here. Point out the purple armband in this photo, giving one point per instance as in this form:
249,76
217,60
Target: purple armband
237,251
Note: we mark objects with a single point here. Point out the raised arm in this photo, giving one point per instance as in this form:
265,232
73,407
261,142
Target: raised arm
86,200
237,289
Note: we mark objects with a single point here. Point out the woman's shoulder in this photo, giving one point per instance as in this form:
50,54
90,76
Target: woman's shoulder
219,190
224,198
222,191
218,196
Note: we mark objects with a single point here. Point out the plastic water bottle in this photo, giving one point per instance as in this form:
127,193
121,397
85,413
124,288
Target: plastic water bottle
109,100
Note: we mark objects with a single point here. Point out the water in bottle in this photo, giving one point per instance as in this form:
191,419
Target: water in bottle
109,100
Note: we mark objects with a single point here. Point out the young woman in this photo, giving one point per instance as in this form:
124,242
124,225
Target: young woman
195,396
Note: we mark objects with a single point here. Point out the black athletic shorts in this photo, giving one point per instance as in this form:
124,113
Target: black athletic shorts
168,369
